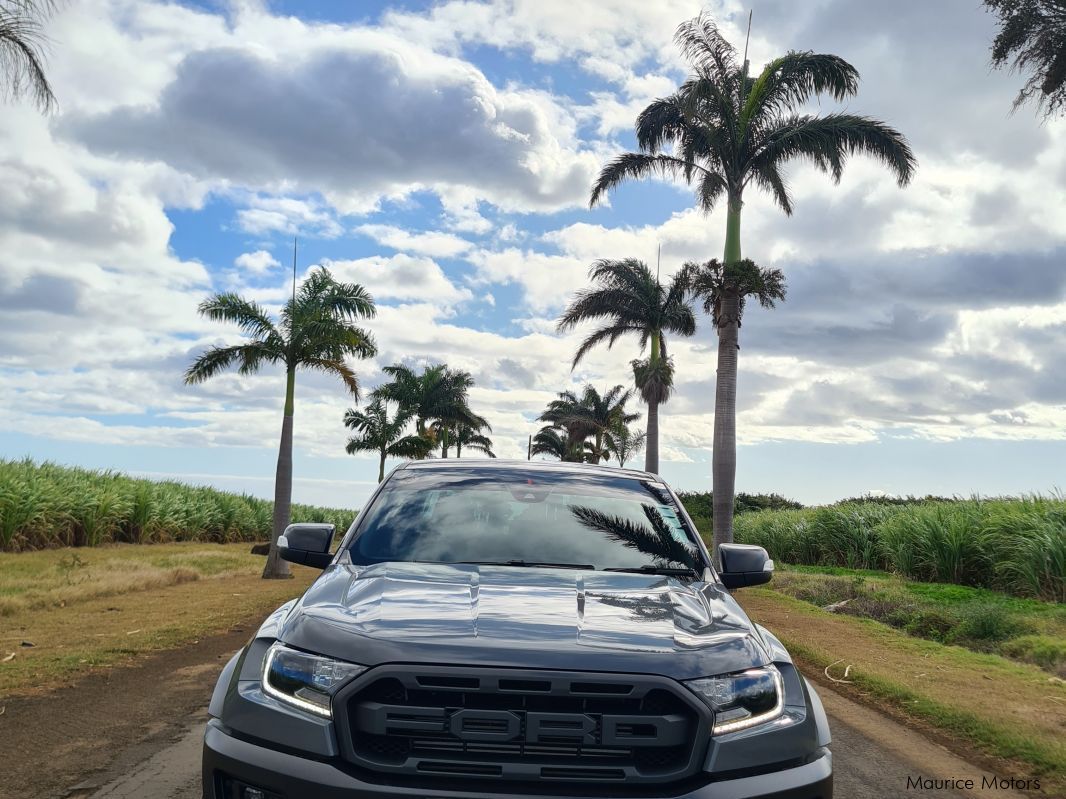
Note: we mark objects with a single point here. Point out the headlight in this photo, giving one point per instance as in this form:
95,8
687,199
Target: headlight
305,681
743,699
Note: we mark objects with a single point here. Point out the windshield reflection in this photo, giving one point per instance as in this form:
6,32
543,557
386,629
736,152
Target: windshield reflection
656,540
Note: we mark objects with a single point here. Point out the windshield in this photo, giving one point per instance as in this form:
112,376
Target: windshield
527,517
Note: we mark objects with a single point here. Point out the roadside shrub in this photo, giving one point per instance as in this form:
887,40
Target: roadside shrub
987,622
932,623
1041,650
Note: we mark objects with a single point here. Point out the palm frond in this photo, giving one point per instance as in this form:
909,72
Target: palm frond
704,47
791,80
637,166
655,540
216,360
610,334
768,177
661,122
22,50
826,141
250,317
336,367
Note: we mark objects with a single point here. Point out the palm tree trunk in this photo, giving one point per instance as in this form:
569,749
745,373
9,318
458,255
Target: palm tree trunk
651,452
458,447
276,568
381,467
444,442
724,452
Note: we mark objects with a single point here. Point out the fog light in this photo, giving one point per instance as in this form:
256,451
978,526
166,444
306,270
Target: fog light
235,789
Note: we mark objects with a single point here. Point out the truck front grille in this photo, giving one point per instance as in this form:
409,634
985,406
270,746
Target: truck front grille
596,730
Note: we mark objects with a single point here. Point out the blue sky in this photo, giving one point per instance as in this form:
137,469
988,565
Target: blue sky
441,155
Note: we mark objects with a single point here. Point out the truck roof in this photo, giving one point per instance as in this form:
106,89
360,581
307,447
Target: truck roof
496,464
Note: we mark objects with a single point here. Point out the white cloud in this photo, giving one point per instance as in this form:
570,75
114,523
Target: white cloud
434,244
258,263
288,215
514,147
401,277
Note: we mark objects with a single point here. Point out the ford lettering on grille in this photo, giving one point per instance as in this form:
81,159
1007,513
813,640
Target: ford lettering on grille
504,725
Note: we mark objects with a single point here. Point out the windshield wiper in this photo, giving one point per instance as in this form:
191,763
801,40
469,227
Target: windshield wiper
531,564
648,568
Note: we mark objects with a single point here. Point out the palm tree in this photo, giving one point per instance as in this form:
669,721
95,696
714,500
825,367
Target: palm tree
438,394
316,331
21,50
556,442
376,432
624,443
1032,38
729,131
630,299
471,437
592,415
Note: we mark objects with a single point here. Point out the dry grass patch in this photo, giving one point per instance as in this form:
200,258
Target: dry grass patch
122,602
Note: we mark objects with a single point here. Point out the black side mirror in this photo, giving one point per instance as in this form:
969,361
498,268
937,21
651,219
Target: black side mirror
307,544
744,565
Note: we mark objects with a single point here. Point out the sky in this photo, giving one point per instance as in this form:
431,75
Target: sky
441,155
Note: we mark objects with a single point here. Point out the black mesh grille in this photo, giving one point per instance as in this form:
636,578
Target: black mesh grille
524,726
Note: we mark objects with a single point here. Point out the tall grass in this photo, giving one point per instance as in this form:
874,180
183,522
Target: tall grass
1017,546
46,505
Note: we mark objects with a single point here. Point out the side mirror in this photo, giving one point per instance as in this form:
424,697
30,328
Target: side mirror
744,565
307,544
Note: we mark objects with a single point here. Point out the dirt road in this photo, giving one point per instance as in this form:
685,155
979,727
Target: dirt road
108,737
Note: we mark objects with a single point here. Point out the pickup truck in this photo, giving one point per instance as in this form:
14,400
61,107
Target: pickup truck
517,629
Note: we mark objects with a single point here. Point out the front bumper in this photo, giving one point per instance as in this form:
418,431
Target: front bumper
293,777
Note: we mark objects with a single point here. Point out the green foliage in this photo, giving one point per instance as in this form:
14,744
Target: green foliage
46,505
975,618
700,503
1032,41
1017,546
1046,651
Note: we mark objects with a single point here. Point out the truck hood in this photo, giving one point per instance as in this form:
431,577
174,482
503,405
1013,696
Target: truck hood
523,617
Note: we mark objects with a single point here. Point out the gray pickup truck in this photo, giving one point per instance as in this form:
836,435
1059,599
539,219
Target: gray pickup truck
516,629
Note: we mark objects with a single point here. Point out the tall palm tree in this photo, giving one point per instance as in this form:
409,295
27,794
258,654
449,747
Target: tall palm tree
22,43
630,299
726,131
437,394
316,331
1032,38
624,443
376,432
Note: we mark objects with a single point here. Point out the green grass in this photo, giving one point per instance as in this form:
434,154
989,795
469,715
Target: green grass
978,619
1015,546
45,505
